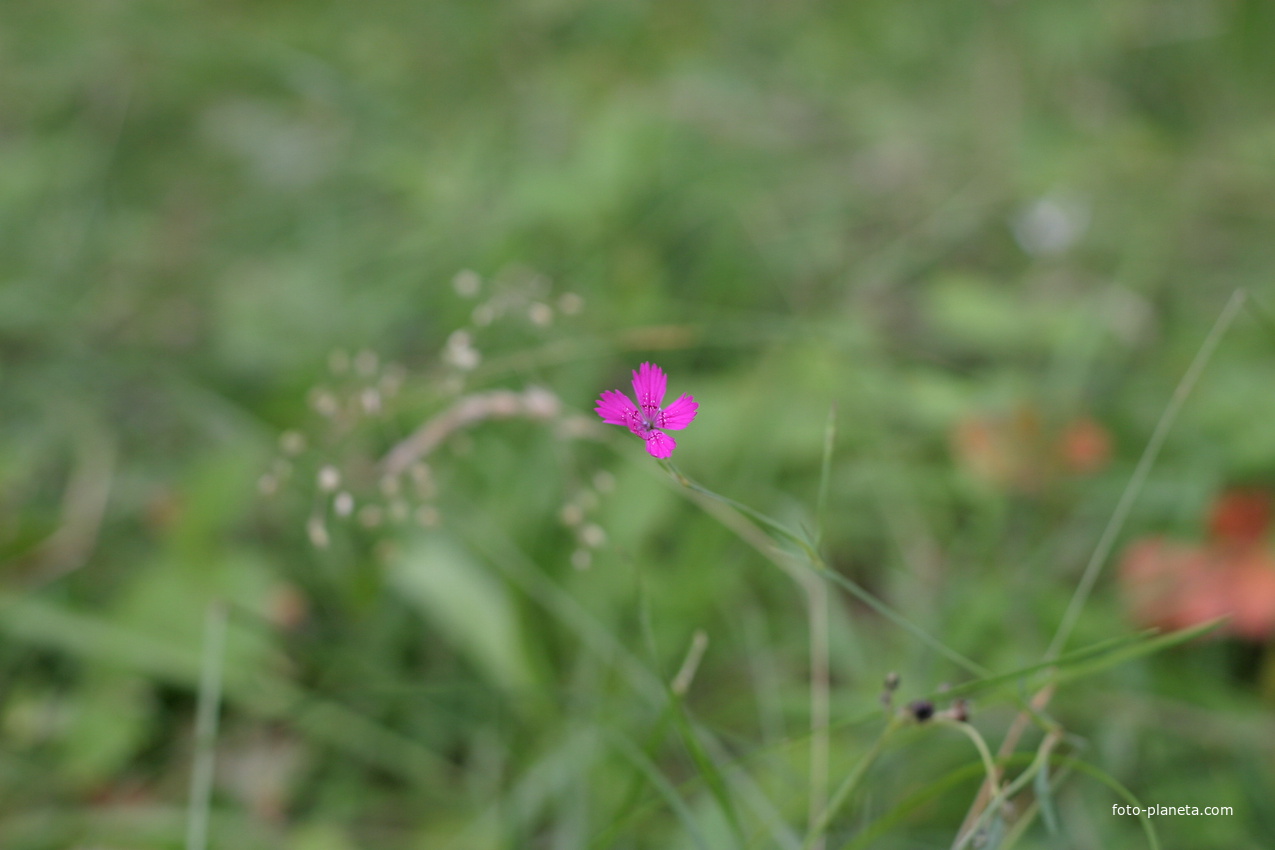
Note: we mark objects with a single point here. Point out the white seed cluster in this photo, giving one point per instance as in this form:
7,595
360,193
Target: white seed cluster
467,283
460,351
574,514
359,387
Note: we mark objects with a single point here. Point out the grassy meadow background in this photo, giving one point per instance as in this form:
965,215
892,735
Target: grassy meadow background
246,249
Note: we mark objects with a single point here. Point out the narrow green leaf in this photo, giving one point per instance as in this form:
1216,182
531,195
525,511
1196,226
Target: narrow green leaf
1263,315
713,777
467,606
1114,784
825,472
83,635
969,773
678,806
902,622
1045,797
1148,647
1102,655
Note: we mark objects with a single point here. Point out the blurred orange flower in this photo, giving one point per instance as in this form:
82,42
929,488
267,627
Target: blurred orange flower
1176,585
1020,452
1085,446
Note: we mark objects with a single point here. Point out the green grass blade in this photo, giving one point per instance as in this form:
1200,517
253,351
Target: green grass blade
825,473
883,825
1139,477
1148,647
209,705
1044,791
658,781
1263,315
36,621
902,622
1114,784
713,777
1073,665
816,562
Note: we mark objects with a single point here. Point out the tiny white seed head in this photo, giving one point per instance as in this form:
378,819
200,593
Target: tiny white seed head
324,402
318,533
593,536
292,442
329,478
571,514
343,504
570,304
366,363
467,283
541,315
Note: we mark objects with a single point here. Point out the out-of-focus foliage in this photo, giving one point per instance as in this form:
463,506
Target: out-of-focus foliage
248,248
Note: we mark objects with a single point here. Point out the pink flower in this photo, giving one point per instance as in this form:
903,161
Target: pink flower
647,417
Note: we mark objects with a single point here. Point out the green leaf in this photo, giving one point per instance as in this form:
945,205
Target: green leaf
466,605
825,473
1045,797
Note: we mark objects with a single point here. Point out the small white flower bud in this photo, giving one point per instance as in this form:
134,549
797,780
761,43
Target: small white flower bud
343,504
329,479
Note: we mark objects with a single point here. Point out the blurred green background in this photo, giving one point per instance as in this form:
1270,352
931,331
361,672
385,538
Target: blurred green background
247,248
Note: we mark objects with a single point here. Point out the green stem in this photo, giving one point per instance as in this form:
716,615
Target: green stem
850,783
820,567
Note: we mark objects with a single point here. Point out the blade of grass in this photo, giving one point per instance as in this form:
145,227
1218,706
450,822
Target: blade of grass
825,472
779,832
968,832
917,800
712,502
674,695
1114,784
1106,542
1263,315
1099,656
1148,647
849,784
209,705
484,535
648,769
32,619
627,810
1139,477
781,530
820,703
1045,799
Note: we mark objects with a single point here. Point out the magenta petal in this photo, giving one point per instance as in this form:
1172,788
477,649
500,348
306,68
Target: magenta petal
659,445
649,383
679,414
616,408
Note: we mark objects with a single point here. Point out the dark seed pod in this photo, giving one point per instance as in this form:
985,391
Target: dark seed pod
891,685
921,709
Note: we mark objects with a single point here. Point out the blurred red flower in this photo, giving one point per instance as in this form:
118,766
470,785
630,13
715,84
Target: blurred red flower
1241,516
1176,585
